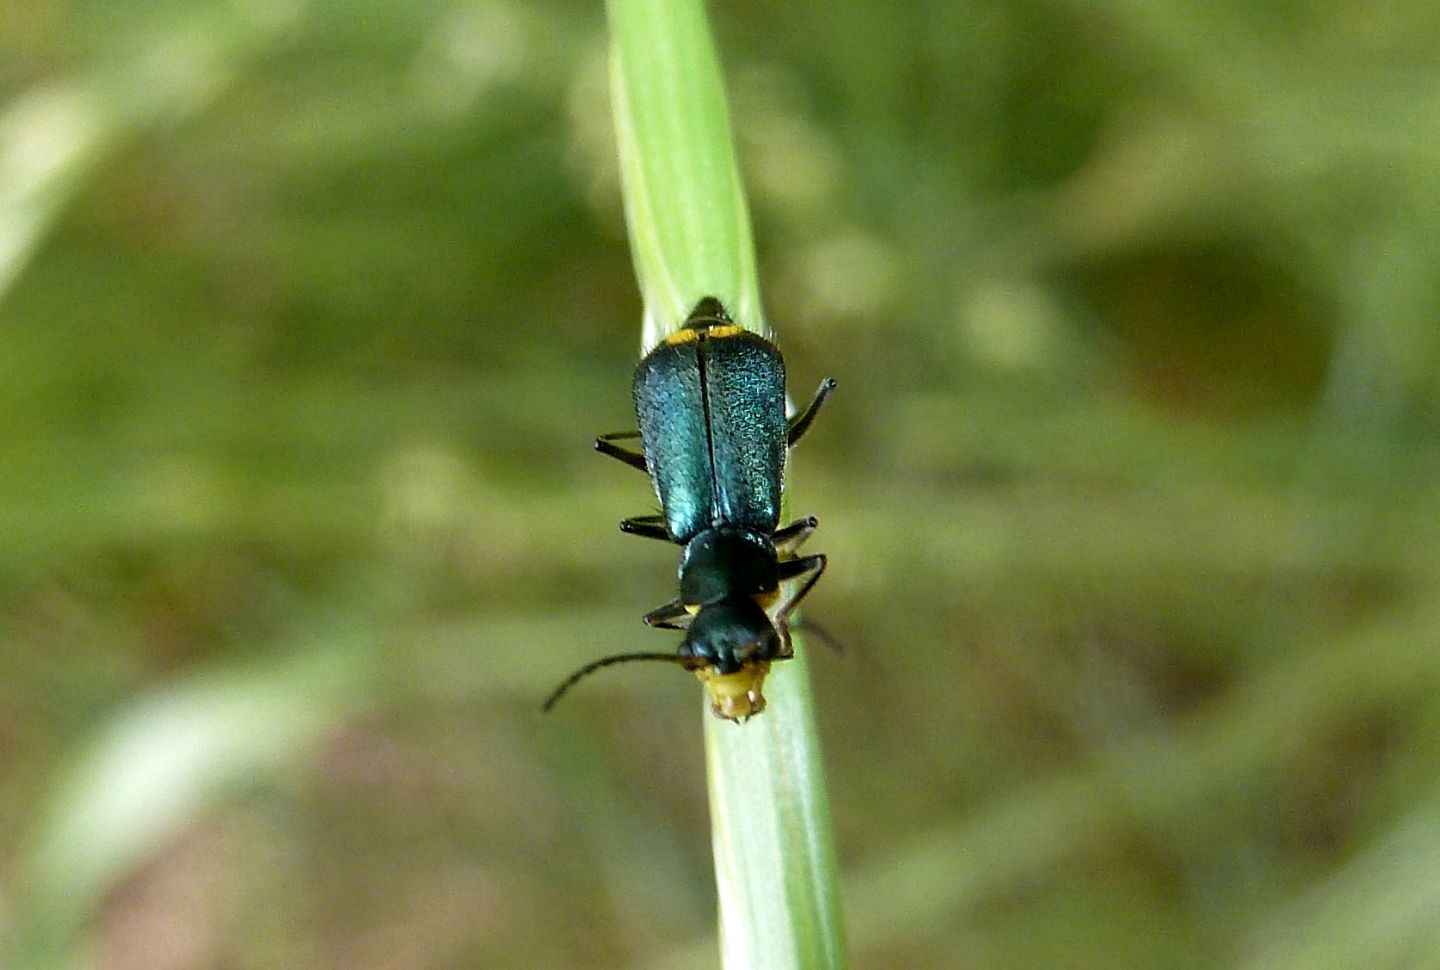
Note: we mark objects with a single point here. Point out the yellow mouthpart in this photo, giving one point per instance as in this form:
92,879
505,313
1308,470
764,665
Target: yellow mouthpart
736,696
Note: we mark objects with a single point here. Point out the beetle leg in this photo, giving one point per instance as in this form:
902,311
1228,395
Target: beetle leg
787,645
801,423
661,616
605,444
791,569
794,569
646,526
788,539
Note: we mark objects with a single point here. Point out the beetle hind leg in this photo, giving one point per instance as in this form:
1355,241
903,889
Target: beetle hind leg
605,444
801,422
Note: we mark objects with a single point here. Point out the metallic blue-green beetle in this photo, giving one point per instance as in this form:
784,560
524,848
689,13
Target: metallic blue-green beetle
710,402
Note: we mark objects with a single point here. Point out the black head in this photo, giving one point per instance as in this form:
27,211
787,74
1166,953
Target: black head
730,646
725,574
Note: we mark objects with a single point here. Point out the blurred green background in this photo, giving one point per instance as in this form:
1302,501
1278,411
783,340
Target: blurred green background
1131,489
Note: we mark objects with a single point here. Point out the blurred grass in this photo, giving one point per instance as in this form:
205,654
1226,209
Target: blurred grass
1133,305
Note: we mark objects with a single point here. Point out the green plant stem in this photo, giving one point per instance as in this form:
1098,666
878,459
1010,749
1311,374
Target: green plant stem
684,204
690,237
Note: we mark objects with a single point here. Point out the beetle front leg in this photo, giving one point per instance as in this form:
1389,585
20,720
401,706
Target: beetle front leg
794,569
662,616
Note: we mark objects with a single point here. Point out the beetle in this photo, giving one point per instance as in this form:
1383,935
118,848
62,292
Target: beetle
710,404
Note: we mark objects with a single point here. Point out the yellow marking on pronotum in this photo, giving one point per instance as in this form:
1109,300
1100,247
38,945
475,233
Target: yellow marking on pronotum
766,601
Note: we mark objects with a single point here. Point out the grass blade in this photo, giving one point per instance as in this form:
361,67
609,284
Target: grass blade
690,237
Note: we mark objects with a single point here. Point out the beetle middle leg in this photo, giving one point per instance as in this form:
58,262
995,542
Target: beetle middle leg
646,526
790,538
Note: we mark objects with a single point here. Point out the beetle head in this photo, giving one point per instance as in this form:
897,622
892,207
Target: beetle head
730,645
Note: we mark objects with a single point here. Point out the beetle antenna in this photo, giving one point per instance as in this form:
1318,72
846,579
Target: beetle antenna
594,665
821,633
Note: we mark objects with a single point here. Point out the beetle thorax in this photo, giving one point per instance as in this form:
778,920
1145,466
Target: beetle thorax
727,562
